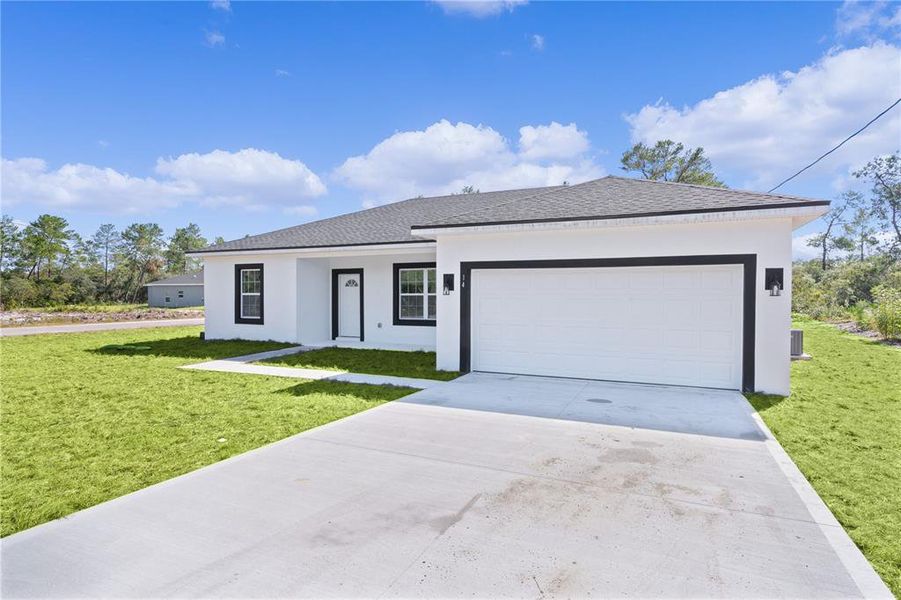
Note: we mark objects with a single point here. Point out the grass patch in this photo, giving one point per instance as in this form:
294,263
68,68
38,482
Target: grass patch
420,365
842,427
91,416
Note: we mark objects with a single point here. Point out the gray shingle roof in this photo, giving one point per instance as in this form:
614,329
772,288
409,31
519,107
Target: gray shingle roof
186,279
606,198
380,225
619,197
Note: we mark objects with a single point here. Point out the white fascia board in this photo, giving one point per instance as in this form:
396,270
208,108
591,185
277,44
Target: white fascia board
368,250
799,216
160,284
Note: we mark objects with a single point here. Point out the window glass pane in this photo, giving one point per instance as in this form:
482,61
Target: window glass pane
431,273
411,307
251,281
250,306
411,281
432,310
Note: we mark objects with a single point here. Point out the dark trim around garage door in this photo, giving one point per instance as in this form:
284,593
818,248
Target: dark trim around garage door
748,262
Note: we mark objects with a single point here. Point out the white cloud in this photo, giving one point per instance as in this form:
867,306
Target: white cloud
800,249
552,141
537,42
103,143
479,8
282,73
868,19
444,157
762,131
223,5
214,38
249,178
80,186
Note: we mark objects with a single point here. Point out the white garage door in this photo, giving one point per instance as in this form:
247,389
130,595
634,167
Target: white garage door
669,325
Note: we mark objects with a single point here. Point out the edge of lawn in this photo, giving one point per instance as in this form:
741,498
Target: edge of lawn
836,427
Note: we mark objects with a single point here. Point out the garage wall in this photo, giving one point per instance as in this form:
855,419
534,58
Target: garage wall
769,239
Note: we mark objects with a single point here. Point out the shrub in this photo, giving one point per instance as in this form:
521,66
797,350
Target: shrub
17,292
862,314
887,311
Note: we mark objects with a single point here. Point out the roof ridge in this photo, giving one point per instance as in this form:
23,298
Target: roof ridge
712,188
545,190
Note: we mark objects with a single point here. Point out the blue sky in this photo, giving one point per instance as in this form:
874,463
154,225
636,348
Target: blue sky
250,116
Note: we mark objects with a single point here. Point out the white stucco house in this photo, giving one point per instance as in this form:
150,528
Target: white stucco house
615,279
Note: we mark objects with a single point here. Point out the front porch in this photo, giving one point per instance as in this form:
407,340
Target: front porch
318,299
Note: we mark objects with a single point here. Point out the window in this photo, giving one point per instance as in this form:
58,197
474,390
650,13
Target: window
249,294
181,293
167,299
415,294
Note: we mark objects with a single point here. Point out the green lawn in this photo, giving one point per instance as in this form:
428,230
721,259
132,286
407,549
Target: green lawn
91,416
842,427
376,362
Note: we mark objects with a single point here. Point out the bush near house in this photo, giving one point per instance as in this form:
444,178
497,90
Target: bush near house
865,292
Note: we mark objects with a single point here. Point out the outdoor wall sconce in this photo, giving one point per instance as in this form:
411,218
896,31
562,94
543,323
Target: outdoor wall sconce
448,283
774,281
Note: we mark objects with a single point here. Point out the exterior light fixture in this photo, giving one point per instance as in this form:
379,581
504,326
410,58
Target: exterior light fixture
773,280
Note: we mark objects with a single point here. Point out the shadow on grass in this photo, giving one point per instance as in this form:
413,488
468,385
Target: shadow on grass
311,390
398,363
189,347
763,402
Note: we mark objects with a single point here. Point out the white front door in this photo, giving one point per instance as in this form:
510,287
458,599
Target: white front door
670,325
349,305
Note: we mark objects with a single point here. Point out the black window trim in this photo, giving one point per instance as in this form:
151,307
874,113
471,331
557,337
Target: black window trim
748,262
396,295
247,267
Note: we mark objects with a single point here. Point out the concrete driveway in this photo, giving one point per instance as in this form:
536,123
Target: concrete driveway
489,486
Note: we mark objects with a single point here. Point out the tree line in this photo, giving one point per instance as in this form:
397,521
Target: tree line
47,263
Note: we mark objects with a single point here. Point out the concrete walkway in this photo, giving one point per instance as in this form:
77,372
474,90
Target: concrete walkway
83,327
242,364
488,486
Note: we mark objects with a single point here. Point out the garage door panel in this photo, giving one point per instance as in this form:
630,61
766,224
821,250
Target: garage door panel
720,280
717,342
645,280
718,313
671,325
610,279
682,311
643,312
682,339
682,281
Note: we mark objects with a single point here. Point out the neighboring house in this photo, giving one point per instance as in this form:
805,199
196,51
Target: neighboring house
176,292
615,279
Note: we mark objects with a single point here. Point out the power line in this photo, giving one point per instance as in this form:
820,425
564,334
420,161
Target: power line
873,120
